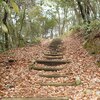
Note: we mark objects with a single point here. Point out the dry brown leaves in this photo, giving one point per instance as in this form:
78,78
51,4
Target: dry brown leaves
16,80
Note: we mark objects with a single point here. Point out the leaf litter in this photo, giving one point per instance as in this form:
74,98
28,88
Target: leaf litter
16,80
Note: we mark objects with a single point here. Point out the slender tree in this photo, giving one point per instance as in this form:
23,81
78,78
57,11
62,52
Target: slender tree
5,23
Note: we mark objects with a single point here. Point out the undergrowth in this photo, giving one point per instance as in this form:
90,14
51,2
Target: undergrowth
91,34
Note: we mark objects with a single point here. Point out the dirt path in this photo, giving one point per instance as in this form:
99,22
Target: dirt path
19,81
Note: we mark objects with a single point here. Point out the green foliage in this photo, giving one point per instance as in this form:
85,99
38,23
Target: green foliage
87,28
6,7
15,6
75,28
35,12
95,25
49,23
92,45
28,20
4,28
89,33
92,39
36,40
0,1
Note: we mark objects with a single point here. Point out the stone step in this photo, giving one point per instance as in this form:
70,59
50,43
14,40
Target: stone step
52,62
56,49
52,75
59,84
38,98
46,68
53,57
53,54
53,45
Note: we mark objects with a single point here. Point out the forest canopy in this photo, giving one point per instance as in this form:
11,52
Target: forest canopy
26,21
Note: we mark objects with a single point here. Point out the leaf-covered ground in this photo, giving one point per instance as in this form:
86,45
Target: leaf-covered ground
16,80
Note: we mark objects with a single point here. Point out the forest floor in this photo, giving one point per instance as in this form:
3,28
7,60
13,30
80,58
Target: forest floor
16,80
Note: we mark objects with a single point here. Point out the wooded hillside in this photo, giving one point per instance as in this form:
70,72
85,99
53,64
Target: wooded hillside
49,49
25,22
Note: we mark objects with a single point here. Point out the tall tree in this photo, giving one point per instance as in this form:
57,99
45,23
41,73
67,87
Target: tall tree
4,20
80,5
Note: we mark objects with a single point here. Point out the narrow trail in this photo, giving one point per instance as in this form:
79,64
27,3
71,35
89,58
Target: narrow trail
19,81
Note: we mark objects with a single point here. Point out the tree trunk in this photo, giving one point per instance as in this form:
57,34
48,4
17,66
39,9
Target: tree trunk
20,38
64,21
81,10
93,9
51,35
59,21
5,22
87,10
77,14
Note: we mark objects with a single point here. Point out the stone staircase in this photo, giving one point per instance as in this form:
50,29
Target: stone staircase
53,60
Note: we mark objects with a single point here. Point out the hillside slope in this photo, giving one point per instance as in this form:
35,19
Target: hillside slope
16,80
